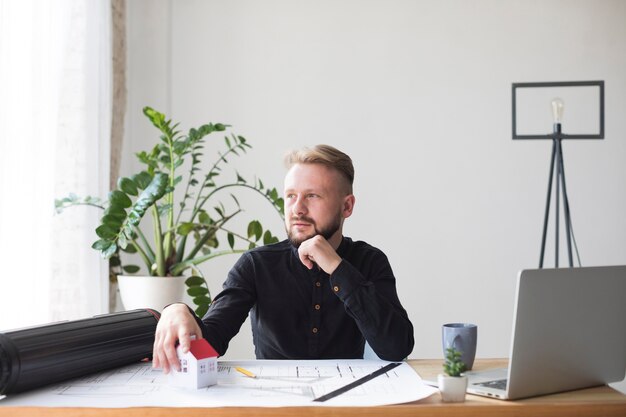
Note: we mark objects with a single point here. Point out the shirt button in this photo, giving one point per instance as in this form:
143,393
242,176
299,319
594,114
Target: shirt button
336,288
314,330
318,284
317,306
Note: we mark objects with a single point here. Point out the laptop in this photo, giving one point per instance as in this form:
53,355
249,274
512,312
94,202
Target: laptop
569,332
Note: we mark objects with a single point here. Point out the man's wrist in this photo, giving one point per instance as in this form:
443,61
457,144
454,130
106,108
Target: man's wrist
176,304
334,265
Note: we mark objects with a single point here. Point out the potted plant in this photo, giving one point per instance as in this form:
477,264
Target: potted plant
185,210
453,383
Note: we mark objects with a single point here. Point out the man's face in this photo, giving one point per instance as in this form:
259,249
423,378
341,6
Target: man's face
315,203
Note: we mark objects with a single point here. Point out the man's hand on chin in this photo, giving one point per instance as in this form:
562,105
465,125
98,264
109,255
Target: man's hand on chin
317,250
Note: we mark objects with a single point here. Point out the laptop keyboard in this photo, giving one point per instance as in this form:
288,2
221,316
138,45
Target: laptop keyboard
498,384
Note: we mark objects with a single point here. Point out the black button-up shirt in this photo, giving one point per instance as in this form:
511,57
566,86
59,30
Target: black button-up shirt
297,313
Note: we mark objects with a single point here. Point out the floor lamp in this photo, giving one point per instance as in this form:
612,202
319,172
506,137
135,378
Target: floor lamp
557,170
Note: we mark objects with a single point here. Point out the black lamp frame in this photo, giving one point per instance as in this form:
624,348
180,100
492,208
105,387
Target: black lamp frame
556,162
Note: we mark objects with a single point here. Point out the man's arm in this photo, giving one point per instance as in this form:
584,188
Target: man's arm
230,308
221,323
373,302
369,295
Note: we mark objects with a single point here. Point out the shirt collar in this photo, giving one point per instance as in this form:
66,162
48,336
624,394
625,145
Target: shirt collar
344,245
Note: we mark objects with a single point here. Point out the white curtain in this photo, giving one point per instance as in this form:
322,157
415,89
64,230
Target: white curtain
54,139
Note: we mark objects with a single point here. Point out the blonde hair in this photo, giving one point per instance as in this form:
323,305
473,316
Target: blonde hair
324,155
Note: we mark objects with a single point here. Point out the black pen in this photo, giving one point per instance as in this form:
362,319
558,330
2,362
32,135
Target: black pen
358,382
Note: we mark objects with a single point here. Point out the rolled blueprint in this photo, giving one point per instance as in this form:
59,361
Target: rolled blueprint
37,356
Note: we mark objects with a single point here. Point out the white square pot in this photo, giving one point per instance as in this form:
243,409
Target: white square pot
452,388
150,292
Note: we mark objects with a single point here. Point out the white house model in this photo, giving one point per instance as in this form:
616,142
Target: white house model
198,367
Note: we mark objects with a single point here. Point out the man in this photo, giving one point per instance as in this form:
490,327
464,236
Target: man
317,295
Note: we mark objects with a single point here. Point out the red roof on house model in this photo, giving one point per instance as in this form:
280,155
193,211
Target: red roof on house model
201,349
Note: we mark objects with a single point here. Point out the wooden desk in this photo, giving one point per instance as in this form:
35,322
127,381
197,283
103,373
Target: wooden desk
599,401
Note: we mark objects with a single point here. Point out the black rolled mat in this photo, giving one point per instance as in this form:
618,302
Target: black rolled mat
42,355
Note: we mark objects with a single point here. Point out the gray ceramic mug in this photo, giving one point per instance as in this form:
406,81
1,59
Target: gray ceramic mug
462,337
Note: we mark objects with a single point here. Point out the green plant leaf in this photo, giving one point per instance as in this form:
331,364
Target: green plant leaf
194,280
102,244
212,242
236,201
231,240
106,232
157,119
107,253
202,299
453,366
255,230
204,218
127,185
201,310
148,197
119,199
130,249
164,209
268,239
280,203
273,194
122,241
131,269
115,212
185,228
197,291
128,232
142,180
113,220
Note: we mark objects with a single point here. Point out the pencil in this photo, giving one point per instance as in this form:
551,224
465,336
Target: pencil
245,372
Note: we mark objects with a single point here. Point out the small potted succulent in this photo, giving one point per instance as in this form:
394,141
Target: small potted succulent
453,383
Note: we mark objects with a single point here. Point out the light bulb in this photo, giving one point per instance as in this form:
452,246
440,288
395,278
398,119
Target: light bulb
557,110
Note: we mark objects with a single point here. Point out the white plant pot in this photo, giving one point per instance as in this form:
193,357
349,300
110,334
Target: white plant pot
150,292
452,388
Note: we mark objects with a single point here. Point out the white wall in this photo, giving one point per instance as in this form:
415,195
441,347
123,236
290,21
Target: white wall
418,93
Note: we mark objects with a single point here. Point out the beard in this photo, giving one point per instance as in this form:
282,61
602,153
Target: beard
326,231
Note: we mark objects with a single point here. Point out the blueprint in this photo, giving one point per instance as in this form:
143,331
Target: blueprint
277,384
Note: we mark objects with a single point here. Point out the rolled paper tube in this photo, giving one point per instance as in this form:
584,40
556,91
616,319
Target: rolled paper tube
42,355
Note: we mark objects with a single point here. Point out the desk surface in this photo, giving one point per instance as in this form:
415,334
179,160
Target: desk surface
604,401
